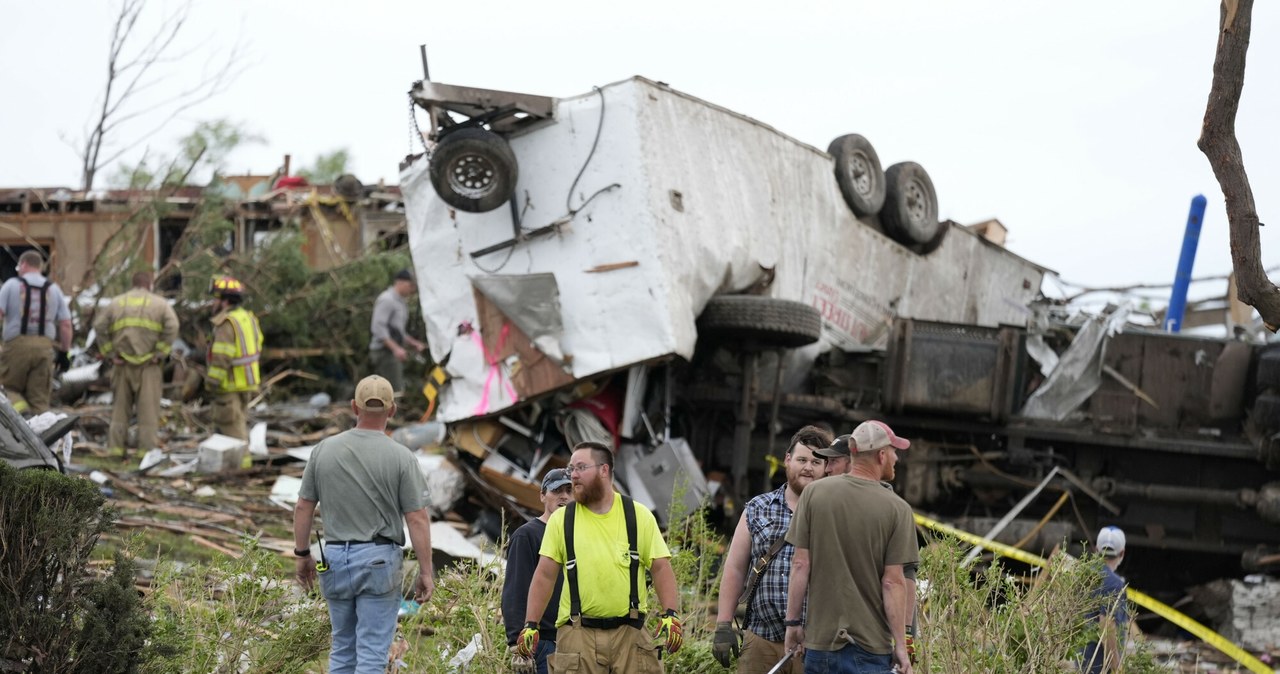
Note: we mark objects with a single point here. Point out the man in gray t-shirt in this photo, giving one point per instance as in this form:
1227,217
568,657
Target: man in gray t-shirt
390,339
371,487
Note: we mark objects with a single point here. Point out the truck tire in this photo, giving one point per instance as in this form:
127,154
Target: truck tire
1266,413
1268,372
910,213
858,174
474,170
760,321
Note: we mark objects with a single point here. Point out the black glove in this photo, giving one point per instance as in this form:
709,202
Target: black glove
61,361
726,642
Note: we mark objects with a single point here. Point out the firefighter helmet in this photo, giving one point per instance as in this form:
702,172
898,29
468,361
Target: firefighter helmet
227,287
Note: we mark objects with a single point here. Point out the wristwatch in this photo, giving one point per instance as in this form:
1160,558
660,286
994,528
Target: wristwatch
793,623
305,552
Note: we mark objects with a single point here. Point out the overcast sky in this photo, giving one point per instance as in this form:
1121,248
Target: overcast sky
1073,123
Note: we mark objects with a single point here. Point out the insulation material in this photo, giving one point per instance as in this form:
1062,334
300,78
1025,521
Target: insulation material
707,201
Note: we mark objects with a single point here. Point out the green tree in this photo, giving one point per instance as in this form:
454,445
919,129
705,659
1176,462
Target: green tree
327,167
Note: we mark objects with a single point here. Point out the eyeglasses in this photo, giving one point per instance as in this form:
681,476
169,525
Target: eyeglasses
580,467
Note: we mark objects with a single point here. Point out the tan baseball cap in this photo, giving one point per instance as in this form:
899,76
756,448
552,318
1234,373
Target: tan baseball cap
374,388
872,435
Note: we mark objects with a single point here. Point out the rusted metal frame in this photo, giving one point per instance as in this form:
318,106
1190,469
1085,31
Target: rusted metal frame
480,106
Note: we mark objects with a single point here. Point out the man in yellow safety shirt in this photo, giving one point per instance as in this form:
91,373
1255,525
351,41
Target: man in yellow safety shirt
137,331
232,376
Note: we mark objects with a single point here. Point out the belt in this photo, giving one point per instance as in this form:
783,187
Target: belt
377,540
612,623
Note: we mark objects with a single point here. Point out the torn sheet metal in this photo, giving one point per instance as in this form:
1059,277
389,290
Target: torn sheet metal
776,205
532,302
1079,370
1040,352
284,492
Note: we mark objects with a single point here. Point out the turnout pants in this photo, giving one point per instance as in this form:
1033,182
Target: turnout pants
26,368
759,655
584,650
231,414
135,386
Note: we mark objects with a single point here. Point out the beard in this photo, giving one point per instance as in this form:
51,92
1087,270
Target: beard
797,482
587,493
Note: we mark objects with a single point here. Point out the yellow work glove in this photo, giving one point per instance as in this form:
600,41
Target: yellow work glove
527,640
670,630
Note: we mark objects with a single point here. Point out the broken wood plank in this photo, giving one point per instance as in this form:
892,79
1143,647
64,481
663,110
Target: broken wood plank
612,266
1133,388
200,540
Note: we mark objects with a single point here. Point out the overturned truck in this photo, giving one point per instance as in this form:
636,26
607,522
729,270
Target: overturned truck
695,285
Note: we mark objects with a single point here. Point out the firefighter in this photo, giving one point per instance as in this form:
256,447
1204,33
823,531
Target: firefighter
137,331
37,335
232,375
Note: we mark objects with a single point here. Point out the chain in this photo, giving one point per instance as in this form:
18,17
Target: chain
414,131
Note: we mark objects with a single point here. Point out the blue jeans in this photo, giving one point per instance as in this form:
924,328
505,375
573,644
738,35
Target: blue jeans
545,649
848,660
363,589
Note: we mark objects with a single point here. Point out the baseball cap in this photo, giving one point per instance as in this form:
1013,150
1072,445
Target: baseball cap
554,480
872,435
404,275
839,447
373,388
1111,541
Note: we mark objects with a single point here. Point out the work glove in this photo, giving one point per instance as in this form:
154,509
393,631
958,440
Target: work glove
527,640
522,664
725,647
61,361
670,630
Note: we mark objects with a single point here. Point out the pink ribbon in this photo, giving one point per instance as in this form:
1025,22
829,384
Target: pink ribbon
495,370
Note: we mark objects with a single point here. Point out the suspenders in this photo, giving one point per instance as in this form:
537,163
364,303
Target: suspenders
26,306
571,560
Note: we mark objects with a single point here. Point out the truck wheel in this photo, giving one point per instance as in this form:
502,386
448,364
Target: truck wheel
910,213
474,170
762,321
1266,413
1268,372
858,174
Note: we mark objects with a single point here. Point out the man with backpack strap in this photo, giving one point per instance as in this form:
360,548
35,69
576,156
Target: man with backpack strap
758,565
35,316
602,542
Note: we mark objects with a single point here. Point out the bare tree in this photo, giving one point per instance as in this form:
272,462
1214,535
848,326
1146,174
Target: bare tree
137,66
1218,142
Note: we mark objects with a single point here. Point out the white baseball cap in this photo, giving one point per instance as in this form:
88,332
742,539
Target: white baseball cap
1111,541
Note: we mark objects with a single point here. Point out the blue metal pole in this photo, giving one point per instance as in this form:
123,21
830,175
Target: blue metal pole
1182,279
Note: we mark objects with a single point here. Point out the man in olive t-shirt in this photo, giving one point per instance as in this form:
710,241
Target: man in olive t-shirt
369,486
856,536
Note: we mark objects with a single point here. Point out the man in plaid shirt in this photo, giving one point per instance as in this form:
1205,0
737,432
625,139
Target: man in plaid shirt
764,521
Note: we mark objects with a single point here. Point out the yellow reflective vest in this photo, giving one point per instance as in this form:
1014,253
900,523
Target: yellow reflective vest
137,326
234,354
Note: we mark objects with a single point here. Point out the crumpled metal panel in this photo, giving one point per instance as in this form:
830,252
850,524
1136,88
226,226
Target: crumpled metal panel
1079,370
532,302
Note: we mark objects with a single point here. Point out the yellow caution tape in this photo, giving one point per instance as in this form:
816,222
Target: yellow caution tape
774,464
1141,599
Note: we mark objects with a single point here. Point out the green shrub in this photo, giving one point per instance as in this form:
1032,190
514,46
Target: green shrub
54,616
988,621
238,615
